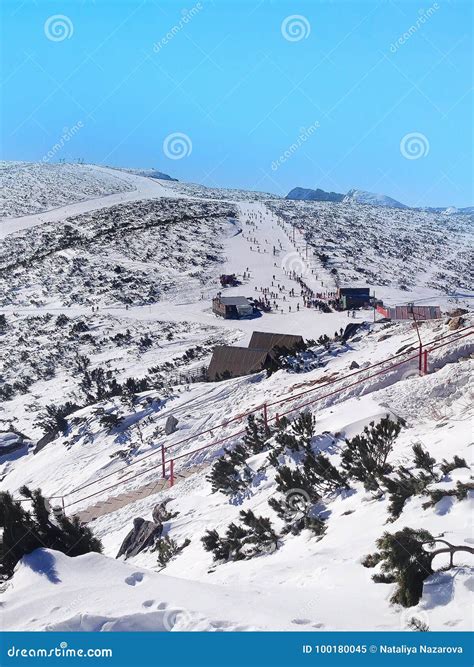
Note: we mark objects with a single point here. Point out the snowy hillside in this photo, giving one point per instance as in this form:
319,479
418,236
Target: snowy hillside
106,328
128,253
29,187
324,583
403,255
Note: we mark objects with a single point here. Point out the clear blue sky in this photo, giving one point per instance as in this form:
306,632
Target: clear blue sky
231,80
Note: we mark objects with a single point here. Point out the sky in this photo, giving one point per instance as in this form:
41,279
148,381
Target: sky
259,95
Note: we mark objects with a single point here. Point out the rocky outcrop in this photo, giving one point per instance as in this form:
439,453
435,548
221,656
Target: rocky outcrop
146,534
12,441
143,535
171,425
455,322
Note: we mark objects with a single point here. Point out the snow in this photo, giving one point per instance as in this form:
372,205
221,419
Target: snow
307,584
363,197
60,195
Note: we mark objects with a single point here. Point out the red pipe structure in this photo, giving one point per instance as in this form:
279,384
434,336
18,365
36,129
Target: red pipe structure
436,344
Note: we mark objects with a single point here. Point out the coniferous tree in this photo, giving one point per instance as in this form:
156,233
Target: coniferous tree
402,486
365,457
405,562
25,530
294,437
323,474
296,506
459,492
168,548
256,435
230,473
447,466
423,460
255,537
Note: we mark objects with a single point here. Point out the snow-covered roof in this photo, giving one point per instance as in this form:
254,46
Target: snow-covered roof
234,300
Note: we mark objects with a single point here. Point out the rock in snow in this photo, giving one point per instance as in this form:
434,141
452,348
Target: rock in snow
142,536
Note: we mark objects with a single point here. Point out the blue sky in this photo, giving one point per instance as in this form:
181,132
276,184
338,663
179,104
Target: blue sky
374,95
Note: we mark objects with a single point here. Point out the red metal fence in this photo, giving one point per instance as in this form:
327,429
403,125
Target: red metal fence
167,461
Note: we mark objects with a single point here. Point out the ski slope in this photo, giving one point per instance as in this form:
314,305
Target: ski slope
130,188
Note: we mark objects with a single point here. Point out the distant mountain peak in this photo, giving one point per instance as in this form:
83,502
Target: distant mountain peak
372,198
308,194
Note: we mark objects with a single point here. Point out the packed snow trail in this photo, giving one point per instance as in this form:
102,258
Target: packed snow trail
143,188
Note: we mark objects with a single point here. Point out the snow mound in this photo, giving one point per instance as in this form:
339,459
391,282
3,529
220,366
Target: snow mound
54,592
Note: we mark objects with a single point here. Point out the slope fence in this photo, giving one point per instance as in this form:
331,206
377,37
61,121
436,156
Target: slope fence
171,467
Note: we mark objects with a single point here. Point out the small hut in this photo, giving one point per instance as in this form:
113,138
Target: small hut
232,307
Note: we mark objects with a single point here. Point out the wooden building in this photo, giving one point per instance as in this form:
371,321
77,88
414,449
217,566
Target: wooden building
232,307
270,341
232,362
408,312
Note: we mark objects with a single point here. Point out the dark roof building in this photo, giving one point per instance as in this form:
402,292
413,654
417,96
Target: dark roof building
353,297
269,341
232,307
231,362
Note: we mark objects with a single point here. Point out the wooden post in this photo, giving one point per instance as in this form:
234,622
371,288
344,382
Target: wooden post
420,360
277,419
171,472
265,416
163,462
425,362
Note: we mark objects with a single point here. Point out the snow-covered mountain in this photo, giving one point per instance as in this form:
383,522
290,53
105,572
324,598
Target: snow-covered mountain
307,194
371,198
105,328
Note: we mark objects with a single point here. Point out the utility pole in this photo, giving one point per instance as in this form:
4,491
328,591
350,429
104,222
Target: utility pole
420,361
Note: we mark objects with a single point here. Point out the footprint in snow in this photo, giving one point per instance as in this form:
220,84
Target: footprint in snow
148,603
134,578
162,605
469,584
301,621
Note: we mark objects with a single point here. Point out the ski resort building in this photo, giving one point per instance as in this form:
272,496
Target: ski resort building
353,297
409,312
231,362
232,307
269,341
